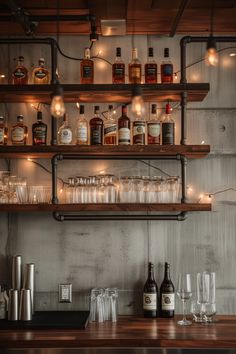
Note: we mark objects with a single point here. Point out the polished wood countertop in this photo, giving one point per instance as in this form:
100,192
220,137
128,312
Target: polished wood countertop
129,331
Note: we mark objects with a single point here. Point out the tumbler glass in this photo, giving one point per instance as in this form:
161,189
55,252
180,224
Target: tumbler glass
124,190
97,305
111,304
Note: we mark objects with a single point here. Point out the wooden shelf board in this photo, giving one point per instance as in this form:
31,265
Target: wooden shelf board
115,151
119,207
103,92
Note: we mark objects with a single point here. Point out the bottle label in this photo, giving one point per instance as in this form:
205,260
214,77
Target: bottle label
119,71
1,135
168,133
151,72
40,74
19,74
17,134
168,69
96,135
124,136
139,133
168,302
65,136
135,72
110,130
82,134
39,133
154,130
87,71
150,301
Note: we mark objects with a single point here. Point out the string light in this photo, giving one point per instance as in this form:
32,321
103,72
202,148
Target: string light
232,54
202,142
2,76
176,76
77,105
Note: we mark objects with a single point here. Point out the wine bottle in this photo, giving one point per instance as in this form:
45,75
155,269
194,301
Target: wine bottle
150,291
167,295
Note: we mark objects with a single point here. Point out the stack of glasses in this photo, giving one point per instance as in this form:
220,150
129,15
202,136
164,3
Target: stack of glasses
128,189
103,305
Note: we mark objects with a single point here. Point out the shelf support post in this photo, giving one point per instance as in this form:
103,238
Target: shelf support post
184,96
54,162
184,161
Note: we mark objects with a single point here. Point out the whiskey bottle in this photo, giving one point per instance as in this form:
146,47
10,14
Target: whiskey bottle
154,127
110,128
96,128
135,68
124,128
139,131
39,131
150,68
167,295
82,128
166,68
150,292
168,128
40,74
65,133
20,74
87,68
118,69
19,132
3,132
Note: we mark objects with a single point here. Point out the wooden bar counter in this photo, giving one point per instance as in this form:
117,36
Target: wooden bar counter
130,331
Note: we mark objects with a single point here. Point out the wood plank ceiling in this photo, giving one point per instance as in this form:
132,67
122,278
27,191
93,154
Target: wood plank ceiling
161,17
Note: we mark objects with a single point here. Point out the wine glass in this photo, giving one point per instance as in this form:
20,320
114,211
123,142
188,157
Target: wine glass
184,292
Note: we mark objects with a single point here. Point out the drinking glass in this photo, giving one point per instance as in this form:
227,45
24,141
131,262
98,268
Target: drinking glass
97,305
184,292
124,190
206,295
196,310
110,304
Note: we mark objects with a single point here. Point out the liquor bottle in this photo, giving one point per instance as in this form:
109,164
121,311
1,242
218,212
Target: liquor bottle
118,69
3,132
40,74
19,132
166,68
154,127
96,128
168,128
139,131
110,128
87,68
135,68
167,295
39,131
150,292
65,133
20,74
124,128
82,128
150,68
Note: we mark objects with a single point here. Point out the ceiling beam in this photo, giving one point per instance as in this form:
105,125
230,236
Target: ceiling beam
178,17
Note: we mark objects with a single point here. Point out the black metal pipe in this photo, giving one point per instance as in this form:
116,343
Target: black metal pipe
54,163
49,18
79,156
184,96
184,178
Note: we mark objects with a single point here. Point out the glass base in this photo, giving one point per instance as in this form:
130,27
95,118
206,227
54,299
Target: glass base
184,323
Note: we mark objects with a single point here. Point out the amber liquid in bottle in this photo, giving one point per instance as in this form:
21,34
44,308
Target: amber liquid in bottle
3,132
166,68
19,132
118,69
150,292
96,128
168,128
167,295
87,68
110,128
150,69
124,128
154,127
39,131
40,75
20,74
135,68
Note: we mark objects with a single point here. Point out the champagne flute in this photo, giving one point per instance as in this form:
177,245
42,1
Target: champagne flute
184,292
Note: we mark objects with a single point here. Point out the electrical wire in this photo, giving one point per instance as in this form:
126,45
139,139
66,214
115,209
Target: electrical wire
47,170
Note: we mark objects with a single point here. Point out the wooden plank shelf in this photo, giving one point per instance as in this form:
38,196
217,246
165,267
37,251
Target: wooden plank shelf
99,93
119,207
106,152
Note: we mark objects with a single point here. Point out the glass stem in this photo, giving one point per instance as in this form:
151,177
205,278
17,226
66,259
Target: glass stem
184,315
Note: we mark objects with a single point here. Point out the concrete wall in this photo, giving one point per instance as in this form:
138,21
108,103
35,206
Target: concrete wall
90,254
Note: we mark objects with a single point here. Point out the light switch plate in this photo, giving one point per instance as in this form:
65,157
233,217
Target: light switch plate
65,292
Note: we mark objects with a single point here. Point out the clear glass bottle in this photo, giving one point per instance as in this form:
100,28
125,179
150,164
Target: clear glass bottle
96,128
166,68
65,135
19,132
39,131
3,132
168,128
139,130
20,74
118,69
82,128
124,128
150,68
40,74
110,128
154,127
87,68
135,68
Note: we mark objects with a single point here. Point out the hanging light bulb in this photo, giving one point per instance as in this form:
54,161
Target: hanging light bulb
57,107
212,56
137,104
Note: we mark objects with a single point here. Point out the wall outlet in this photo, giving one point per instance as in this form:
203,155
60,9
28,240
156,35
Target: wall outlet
65,292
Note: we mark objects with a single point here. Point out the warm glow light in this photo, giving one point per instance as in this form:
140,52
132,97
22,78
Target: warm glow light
29,159
101,172
61,190
2,76
176,76
138,106
100,52
114,112
232,54
77,105
57,108
211,57
200,196
203,142
189,189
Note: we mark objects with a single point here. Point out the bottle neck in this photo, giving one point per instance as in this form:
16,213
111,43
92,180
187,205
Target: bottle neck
97,114
20,63
134,55
167,274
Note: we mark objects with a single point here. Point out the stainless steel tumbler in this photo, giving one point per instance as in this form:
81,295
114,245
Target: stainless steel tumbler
13,308
25,311
28,281
16,272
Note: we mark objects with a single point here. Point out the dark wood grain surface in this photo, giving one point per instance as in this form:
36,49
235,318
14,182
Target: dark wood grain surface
130,331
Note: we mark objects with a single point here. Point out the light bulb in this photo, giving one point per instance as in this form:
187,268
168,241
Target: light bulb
138,106
57,108
212,56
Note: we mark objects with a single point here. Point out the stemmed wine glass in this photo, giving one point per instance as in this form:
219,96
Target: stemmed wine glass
184,292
